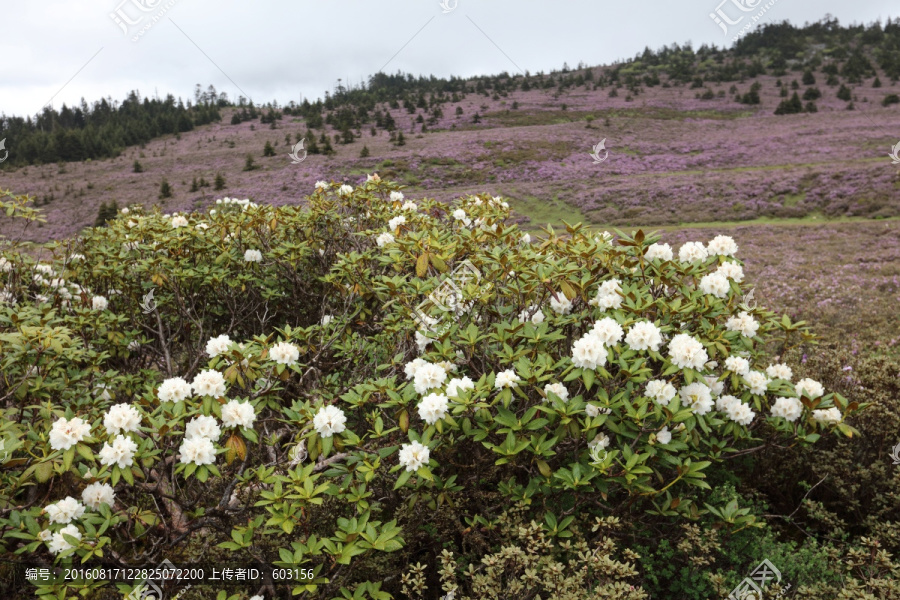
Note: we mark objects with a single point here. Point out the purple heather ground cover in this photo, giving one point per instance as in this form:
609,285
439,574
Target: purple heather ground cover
673,159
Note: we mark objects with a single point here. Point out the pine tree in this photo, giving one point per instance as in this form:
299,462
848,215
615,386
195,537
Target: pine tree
268,150
808,78
401,141
137,167
844,93
165,190
249,165
194,186
364,153
220,182
790,107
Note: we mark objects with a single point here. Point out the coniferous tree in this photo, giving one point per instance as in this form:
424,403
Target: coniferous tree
364,153
219,182
165,190
137,167
268,150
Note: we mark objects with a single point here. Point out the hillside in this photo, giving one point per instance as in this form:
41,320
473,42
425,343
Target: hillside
692,137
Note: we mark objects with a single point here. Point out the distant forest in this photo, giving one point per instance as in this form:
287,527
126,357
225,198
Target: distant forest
106,128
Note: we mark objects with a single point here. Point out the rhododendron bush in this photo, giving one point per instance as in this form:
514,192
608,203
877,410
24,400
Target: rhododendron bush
319,387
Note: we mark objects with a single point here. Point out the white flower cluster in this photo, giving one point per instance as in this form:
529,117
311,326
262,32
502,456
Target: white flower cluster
329,420
608,297
218,345
244,204
65,433
284,353
197,446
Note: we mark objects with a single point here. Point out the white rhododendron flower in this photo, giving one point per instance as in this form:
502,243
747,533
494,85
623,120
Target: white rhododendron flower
284,353
58,542
98,493
122,418
526,238
457,385
66,433
810,388
722,245
731,270
65,510
660,251
384,239
179,221
780,371
413,366
345,190
560,304
715,284
724,402
238,414
787,408
218,345
660,391
664,436
506,379
320,185
396,222
99,303
202,426
557,388
715,386
738,365
409,206
428,376
608,295
209,383
608,331
827,416
592,410
175,389
589,352
698,397
120,452
326,320
396,196
414,456
740,413
644,335
197,450
686,352
251,255
743,323
422,341
433,408
692,252
329,421
756,382
533,314
460,215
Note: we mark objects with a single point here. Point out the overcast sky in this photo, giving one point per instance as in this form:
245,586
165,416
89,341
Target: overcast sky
63,50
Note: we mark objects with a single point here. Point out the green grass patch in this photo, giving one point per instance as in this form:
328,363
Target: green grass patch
542,212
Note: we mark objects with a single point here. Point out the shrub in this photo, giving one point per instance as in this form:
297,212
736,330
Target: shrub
350,410
165,189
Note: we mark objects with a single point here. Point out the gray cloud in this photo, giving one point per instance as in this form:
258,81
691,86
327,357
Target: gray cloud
282,49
